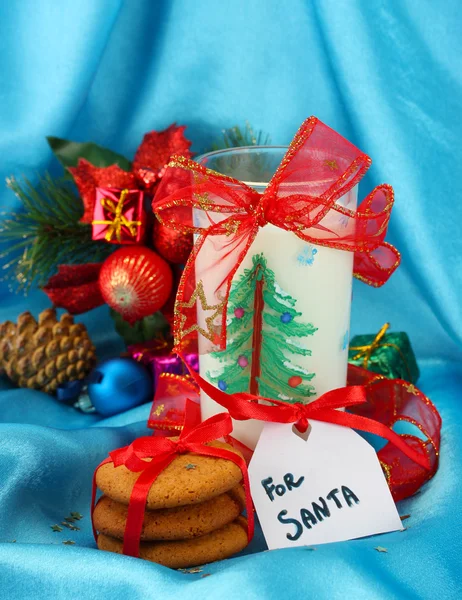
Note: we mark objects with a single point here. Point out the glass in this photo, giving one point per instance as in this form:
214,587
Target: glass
308,292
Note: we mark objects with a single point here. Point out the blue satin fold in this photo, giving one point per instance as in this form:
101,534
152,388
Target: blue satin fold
385,75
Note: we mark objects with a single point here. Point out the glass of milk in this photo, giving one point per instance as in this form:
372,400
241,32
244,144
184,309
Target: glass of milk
288,317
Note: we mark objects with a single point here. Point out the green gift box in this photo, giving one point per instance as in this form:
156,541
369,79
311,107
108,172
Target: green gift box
389,354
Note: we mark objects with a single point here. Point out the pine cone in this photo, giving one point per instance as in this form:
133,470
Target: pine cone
41,355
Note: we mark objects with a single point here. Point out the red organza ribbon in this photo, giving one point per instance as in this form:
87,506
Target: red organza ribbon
168,409
391,401
319,168
162,451
243,406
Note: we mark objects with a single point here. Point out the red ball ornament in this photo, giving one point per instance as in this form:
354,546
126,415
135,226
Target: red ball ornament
136,282
295,381
175,246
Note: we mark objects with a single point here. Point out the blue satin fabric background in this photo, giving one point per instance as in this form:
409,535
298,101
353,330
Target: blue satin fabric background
387,76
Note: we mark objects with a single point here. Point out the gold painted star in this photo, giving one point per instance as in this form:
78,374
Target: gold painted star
332,164
211,332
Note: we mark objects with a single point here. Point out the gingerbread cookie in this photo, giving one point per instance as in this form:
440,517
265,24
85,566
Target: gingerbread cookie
189,479
221,543
180,523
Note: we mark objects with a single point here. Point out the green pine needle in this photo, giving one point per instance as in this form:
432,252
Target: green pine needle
45,234
236,136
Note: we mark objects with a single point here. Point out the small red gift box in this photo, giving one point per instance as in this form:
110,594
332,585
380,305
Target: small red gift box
119,216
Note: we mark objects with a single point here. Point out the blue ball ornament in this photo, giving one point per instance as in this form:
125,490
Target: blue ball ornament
118,384
223,386
286,317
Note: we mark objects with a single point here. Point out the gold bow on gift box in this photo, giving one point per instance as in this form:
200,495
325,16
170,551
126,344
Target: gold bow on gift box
119,221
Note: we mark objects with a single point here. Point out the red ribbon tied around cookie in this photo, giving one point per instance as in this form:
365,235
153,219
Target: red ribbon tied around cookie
162,451
242,406
319,167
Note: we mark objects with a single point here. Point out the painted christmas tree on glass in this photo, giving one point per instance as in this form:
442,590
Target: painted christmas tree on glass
264,337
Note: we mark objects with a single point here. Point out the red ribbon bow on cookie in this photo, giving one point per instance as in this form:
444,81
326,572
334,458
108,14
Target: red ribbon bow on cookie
319,168
150,455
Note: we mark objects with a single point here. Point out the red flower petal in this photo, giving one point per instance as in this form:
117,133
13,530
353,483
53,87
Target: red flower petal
75,288
158,146
88,178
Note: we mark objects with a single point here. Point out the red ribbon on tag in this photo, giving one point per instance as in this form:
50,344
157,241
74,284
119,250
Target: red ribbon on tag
388,401
161,451
319,168
243,406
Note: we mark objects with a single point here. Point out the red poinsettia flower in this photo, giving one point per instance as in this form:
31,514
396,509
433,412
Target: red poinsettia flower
148,167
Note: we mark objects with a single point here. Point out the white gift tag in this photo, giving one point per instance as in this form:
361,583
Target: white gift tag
329,488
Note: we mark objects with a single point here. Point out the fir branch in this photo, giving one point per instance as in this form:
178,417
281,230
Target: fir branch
291,329
235,137
281,341
236,325
46,233
278,303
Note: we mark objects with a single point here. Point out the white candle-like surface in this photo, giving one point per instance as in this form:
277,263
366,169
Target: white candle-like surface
319,279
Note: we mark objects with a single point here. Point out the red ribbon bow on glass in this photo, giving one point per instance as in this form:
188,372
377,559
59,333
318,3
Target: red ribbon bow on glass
162,451
320,167
242,406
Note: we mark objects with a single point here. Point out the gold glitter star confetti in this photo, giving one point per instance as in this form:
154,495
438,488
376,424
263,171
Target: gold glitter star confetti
69,543
210,332
70,526
56,528
76,515
190,466
381,549
192,571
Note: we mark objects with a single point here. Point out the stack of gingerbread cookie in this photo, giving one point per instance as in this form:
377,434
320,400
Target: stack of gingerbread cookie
193,510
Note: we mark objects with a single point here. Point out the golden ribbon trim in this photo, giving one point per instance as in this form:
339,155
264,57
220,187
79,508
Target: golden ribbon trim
119,221
365,352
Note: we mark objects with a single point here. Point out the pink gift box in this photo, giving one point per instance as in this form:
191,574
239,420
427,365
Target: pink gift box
119,216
